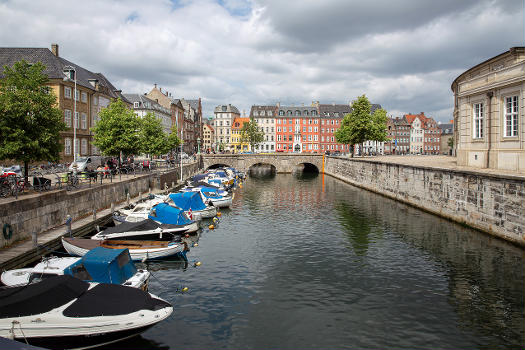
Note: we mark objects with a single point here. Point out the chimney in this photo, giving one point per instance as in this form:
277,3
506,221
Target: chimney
155,85
54,49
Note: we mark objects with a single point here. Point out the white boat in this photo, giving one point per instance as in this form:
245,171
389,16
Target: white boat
138,250
192,203
143,230
99,265
138,211
63,312
217,198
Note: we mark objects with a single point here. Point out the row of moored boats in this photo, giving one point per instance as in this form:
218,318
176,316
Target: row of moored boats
97,296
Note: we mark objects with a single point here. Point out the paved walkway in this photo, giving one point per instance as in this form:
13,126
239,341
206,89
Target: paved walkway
442,162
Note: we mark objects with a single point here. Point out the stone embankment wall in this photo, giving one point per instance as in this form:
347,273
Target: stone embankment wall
40,212
491,203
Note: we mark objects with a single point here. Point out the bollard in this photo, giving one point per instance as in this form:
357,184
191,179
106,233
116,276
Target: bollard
112,208
94,214
34,239
127,199
68,225
172,184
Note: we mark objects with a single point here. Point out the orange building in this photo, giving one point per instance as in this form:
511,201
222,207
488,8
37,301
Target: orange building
236,145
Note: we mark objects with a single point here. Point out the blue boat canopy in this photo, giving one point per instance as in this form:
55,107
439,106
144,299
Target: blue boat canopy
188,200
103,265
166,214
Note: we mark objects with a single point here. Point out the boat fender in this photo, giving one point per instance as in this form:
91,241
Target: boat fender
219,214
211,227
195,244
185,289
7,230
198,263
216,220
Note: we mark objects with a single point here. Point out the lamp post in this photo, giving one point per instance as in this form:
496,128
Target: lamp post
181,150
198,145
67,70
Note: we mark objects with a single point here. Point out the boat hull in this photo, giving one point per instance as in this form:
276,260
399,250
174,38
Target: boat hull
173,249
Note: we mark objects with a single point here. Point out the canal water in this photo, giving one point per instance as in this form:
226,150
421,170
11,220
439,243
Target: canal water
309,262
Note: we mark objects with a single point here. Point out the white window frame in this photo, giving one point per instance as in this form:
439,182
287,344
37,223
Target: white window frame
67,117
77,121
67,146
511,116
83,121
477,120
83,96
67,92
83,146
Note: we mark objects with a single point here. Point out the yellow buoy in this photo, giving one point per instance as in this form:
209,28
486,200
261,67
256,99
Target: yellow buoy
195,244
198,263
185,289
219,214
211,227
240,185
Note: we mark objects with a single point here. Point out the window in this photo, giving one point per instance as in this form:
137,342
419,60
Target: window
83,148
315,129
309,137
67,120
309,129
305,112
67,145
290,137
304,128
511,116
95,100
284,129
478,120
304,137
77,95
288,112
281,112
315,138
314,112
76,149
297,112
278,129
84,97
136,104
278,121
67,94
84,121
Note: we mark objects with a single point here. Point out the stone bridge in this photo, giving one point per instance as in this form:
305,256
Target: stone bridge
283,163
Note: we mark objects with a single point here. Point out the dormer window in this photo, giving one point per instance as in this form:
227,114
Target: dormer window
136,104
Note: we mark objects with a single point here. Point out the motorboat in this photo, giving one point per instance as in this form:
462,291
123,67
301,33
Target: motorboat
146,229
216,197
138,250
169,214
138,211
192,203
101,265
64,312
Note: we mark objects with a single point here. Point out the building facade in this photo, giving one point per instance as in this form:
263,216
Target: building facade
80,108
222,123
264,116
237,145
489,113
208,136
447,134
142,105
432,137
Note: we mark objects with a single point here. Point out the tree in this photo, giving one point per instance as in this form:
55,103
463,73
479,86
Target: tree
30,123
251,134
153,139
173,140
117,130
359,125
450,142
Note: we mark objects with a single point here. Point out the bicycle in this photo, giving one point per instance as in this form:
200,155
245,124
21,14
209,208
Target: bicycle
73,181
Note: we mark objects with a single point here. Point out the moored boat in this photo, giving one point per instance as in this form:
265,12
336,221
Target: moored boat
146,229
138,250
101,265
63,312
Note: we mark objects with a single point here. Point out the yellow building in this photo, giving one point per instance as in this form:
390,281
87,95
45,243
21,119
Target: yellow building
235,144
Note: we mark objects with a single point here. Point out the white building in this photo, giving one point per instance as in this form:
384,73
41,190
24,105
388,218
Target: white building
265,118
143,105
222,122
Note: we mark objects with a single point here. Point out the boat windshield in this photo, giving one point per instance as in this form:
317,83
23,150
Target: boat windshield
36,277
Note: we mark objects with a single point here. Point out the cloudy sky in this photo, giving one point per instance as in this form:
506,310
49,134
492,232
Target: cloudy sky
402,54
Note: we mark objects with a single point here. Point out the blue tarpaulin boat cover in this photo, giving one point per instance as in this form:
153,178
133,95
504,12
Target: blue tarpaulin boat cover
166,214
105,265
188,200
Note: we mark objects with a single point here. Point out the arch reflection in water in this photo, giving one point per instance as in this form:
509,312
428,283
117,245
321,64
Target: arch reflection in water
262,170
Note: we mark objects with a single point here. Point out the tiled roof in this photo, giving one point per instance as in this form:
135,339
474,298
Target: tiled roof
229,109
54,66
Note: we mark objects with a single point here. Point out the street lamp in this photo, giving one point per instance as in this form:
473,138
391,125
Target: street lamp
71,74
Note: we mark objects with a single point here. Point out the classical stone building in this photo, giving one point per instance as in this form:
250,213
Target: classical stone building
94,92
398,133
489,113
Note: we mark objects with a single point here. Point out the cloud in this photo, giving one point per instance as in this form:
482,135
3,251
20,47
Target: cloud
403,55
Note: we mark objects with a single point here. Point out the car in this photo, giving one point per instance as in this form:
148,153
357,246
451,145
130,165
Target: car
82,163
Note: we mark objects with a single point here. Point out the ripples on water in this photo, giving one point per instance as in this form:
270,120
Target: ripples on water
309,263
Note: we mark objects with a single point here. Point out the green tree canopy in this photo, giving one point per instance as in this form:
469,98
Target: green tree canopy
360,126
251,134
173,140
118,130
153,139
30,122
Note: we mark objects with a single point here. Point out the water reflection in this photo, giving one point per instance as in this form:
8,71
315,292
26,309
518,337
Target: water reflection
291,266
